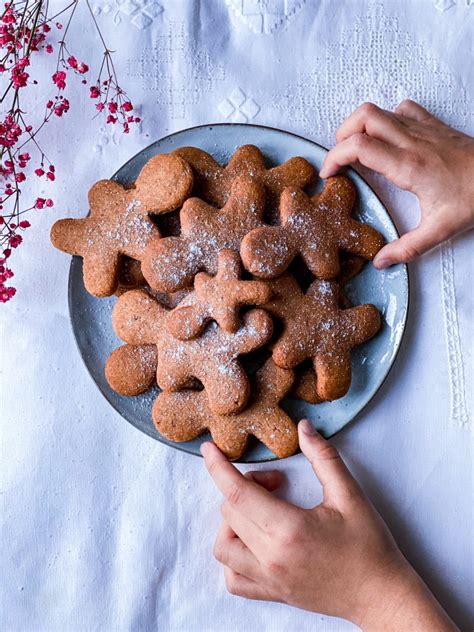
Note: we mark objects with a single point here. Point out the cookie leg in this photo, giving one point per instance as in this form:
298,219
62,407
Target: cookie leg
333,375
228,436
101,274
278,433
181,416
227,388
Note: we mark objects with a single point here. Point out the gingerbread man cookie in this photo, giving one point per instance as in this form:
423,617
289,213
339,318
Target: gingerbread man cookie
314,227
187,414
171,263
213,183
320,330
212,358
217,298
118,223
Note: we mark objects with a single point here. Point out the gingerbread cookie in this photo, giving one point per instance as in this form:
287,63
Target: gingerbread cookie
213,183
320,330
316,228
212,358
131,369
118,223
217,298
171,263
187,414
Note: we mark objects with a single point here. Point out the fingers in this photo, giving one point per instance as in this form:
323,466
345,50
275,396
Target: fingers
370,152
232,552
245,497
410,246
412,110
372,120
245,587
339,486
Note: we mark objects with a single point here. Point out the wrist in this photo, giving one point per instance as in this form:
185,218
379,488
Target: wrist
399,599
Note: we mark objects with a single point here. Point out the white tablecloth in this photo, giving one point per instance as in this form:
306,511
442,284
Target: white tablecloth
104,528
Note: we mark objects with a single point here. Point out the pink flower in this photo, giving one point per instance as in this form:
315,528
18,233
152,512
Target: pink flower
82,68
99,106
24,157
94,92
39,172
111,119
127,106
40,202
15,241
50,175
112,107
49,48
49,203
20,177
72,61
6,293
62,107
24,224
49,105
59,78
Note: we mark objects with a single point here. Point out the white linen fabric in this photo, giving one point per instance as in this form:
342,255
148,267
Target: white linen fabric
102,527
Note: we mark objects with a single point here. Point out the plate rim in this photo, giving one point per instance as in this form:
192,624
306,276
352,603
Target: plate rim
349,170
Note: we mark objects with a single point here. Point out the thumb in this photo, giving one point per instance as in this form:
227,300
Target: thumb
339,486
410,246
268,479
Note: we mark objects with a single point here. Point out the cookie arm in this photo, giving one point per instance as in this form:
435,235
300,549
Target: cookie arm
68,235
138,318
131,370
361,239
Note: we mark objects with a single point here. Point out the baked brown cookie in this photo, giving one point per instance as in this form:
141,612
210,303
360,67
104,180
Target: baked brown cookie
131,369
171,264
119,224
212,358
314,227
187,414
213,183
217,298
320,330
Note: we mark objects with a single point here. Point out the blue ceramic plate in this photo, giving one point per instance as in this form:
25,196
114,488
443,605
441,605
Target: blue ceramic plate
388,290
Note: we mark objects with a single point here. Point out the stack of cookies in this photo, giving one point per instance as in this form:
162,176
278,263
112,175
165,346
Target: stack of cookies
229,290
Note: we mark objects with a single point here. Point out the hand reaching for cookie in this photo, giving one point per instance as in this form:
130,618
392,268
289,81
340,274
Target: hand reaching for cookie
418,153
338,558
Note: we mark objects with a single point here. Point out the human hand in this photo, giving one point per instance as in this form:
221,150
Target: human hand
338,558
418,153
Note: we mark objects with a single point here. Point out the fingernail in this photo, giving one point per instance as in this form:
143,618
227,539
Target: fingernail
380,264
307,427
205,447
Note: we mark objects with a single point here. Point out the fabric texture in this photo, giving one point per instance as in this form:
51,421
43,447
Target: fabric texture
104,528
